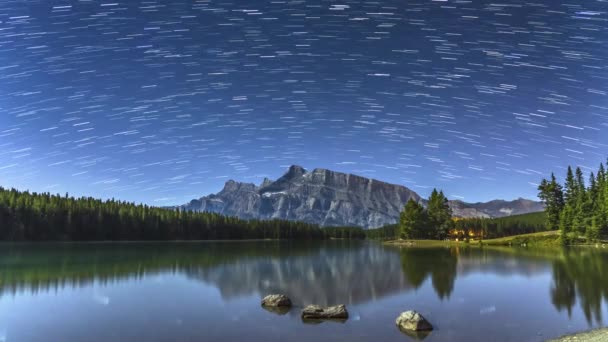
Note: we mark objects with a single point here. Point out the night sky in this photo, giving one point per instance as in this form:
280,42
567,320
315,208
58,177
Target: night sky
163,101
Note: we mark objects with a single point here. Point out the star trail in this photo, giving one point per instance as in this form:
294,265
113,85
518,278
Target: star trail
163,101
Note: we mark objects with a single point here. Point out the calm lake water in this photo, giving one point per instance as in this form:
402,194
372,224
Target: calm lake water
211,291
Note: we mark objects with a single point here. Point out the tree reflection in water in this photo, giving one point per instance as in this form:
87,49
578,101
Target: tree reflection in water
322,273
438,263
581,274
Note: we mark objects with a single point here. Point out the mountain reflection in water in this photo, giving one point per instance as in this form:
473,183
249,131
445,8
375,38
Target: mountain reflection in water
322,273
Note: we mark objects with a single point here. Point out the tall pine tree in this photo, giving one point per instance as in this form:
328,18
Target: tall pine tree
412,221
584,209
581,220
439,214
551,193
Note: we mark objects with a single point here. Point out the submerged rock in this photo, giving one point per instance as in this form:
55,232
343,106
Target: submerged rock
276,300
413,321
312,312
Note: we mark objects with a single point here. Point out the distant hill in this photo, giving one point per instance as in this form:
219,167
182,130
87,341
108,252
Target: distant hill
331,198
496,208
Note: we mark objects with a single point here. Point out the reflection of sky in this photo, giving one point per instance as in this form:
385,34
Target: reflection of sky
175,306
128,308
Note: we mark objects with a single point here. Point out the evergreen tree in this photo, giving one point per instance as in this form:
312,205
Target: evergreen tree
439,214
580,182
601,203
26,216
584,212
570,188
565,225
595,223
551,193
412,221
581,220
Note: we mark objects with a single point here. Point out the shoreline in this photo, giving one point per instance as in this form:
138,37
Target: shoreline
542,239
438,243
595,335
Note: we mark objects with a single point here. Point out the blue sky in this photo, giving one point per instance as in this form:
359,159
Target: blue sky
163,101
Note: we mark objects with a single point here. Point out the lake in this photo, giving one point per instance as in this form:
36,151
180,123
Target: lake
211,291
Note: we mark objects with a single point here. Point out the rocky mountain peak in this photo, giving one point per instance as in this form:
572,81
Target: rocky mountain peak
232,186
266,182
294,171
331,198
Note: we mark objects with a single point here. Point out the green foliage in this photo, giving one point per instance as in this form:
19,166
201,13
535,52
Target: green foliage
412,221
26,216
542,239
439,215
434,222
388,232
583,211
552,194
565,225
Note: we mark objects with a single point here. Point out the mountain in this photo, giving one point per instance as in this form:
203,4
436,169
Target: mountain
321,196
332,198
496,208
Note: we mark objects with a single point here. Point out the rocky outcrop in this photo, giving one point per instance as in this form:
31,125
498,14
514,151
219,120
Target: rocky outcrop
320,196
332,312
330,198
413,321
276,300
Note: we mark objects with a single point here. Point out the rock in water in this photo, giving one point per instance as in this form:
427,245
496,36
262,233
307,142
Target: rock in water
276,300
413,321
318,312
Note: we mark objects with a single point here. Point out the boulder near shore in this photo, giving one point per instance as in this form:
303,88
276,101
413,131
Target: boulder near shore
413,321
276,300
311,312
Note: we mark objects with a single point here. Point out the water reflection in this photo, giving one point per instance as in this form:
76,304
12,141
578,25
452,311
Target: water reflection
44,267
329,273
581,274
325,274
439,264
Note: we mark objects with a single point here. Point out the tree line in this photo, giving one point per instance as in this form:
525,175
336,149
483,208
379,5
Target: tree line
388,232
491,228
435,221
26,216
576,209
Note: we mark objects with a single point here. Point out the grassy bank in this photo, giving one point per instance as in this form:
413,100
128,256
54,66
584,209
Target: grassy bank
543,239
424,243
